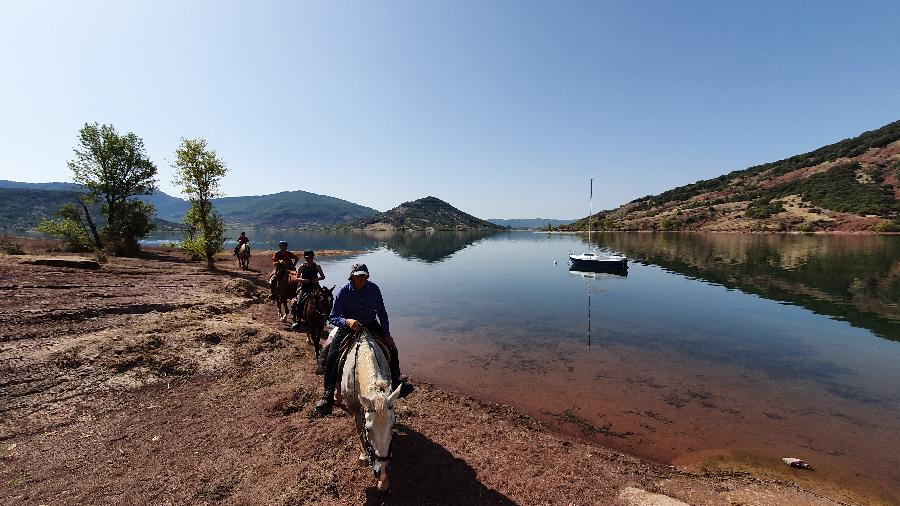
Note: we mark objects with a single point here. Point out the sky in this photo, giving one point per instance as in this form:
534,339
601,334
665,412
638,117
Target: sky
505,109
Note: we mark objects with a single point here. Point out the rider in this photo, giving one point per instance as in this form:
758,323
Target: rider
356,306
310,273
286,258
242,239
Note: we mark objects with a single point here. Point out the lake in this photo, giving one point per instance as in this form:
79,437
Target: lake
742,346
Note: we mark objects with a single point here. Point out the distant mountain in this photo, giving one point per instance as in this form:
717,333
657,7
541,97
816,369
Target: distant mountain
529,223
429,213
851,185
4,183
290,209
22,208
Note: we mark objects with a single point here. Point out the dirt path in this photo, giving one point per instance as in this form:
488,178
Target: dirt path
154,381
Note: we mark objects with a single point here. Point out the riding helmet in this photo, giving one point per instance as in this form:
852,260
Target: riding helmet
282,242
309,253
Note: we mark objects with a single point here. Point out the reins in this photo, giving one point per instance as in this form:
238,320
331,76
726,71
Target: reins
370,450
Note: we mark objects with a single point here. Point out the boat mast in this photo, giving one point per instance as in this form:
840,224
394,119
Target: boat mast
590,213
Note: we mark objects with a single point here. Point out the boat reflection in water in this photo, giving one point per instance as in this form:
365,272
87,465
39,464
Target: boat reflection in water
598,272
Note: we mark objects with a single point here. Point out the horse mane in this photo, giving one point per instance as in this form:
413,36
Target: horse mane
371,365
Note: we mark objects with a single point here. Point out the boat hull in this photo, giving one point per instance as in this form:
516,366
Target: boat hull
599,265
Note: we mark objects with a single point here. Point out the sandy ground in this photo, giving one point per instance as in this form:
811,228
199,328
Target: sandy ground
155,381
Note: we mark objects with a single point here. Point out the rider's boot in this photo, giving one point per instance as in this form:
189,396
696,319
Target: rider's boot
320,363
397,380
326,403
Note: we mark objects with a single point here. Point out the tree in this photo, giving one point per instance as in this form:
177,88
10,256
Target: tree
198,172
69,227
115,169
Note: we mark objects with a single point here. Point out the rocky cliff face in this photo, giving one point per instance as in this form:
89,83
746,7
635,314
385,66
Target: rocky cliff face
851,185
429,213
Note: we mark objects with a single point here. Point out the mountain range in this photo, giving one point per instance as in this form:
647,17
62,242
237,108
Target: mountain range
22,205
851,185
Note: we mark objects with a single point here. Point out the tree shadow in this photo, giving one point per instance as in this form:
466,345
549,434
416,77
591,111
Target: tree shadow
424,472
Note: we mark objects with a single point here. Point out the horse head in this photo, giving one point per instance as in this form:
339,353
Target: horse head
379,417
324,299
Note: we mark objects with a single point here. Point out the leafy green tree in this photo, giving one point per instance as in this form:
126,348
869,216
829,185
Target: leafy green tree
69,227
115,168
198,172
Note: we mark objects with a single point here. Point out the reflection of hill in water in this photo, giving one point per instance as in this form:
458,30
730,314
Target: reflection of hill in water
428,247
852,278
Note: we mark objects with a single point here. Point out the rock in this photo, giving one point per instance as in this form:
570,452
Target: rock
638,497
794,462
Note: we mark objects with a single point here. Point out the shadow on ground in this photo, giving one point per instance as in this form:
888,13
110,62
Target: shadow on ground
423,472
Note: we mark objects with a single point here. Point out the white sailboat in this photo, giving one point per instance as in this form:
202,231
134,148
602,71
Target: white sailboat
590,260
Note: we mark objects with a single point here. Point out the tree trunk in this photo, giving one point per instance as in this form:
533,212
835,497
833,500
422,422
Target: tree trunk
87,214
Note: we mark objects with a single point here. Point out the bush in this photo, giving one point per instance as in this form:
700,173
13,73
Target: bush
763,208
9,247
667,223
886,226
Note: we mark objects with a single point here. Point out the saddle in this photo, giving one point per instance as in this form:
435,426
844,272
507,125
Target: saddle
346,347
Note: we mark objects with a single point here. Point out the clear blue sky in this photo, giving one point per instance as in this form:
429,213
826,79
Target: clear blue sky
502,108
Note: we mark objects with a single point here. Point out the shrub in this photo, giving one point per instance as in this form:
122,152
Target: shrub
9,247
886,226
763,208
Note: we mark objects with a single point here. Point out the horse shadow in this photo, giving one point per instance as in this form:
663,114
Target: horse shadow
424,472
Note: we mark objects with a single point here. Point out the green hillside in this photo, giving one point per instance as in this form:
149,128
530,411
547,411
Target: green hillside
24,205
21,209
429,213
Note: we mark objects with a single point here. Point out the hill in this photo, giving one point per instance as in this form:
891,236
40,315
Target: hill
23,205
529,223
429,213
22,208
290,209
851,185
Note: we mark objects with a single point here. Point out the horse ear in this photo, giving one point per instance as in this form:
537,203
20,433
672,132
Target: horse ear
393,397
332,288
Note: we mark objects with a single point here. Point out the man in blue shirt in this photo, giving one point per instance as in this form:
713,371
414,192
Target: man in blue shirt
358,304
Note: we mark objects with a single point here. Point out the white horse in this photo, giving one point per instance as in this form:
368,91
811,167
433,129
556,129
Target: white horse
366,394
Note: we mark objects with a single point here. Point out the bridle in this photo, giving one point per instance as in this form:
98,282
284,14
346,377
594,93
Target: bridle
370,450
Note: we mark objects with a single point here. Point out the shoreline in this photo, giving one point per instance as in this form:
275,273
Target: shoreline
205,368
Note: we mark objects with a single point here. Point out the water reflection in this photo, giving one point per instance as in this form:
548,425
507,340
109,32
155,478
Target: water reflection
429,247
850,278
597,273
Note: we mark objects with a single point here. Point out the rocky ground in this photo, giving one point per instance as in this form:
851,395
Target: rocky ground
154,381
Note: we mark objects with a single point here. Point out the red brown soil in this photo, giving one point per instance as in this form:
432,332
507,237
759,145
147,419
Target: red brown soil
154,380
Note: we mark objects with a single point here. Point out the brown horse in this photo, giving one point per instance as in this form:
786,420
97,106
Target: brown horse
243,256
315,311
286,282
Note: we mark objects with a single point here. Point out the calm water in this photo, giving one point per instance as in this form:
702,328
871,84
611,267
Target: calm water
755,347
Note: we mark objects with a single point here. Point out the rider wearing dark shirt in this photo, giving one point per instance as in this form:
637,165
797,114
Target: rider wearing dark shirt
310,274
242,239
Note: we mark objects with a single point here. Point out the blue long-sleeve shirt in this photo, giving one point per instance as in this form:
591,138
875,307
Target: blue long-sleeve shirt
362,305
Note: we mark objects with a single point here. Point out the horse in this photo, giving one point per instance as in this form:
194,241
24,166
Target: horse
286,282
366,394
243,256
316,310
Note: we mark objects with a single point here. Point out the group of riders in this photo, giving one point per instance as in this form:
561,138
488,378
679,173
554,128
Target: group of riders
358,304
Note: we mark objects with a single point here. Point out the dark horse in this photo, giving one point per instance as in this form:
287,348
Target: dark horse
315,311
